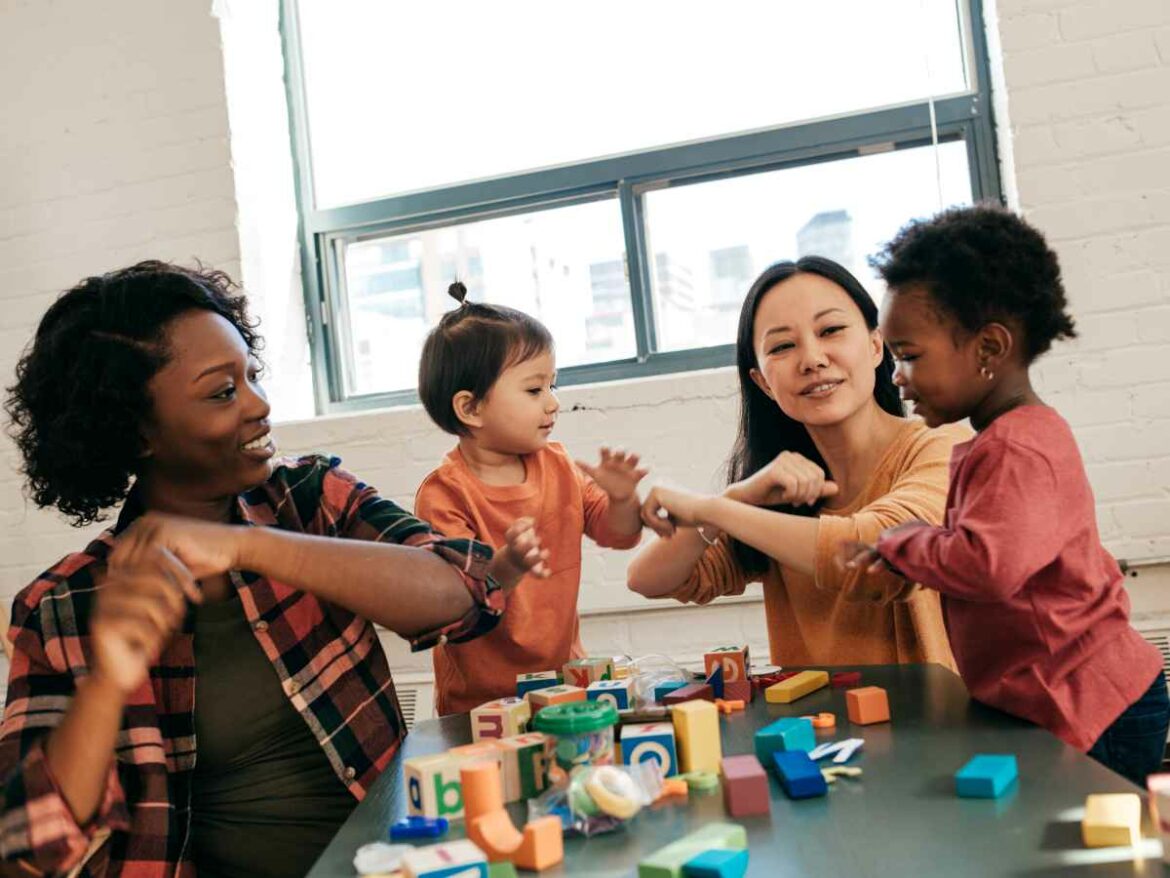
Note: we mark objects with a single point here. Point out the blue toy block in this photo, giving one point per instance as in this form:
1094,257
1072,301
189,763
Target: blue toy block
664,689
986,776
717,864
715,681
789,733
799,776
645,741
619,692
418,827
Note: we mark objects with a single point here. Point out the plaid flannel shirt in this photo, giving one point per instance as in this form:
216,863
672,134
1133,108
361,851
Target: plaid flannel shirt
329,662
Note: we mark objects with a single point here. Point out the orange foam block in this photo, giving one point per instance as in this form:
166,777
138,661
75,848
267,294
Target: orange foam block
538,847
867,705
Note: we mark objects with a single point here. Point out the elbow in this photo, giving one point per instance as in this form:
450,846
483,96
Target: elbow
637,580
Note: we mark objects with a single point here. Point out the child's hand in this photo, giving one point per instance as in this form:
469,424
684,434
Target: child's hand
789,479
521,554
617,474
854,555
666,509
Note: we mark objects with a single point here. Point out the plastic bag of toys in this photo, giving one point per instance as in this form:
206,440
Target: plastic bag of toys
600,798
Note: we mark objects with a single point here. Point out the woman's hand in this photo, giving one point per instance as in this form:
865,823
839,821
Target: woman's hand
666,509
854,555
204,548
521,554
617,474
791,479
141,602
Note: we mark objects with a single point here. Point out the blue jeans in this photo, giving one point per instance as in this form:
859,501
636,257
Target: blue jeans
1135,744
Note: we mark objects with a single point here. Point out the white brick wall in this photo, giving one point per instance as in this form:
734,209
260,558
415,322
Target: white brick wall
116,148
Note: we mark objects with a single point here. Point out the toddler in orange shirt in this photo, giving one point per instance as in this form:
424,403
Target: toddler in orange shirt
488,376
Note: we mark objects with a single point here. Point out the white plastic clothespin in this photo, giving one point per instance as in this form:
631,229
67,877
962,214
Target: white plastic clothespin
848,748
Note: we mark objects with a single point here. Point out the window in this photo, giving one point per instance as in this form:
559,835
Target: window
625,185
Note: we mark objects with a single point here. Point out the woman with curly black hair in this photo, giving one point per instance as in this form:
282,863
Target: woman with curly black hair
227,615
1035,606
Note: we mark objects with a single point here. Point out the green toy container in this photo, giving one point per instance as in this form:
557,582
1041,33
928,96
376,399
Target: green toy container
581,732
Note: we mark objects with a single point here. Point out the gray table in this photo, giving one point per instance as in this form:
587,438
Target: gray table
901,818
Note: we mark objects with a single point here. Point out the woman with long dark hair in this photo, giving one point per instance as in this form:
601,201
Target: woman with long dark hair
824,454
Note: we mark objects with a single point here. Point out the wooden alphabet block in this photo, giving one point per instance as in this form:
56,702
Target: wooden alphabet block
526,683
555,695
432,786
733,660
447,859
619,693
582,672
501,718
525,764
650,741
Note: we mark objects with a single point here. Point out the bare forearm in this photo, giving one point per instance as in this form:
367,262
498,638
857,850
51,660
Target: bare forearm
666,563
407,590
79,751
790,540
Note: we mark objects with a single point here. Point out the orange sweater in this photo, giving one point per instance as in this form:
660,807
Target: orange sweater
539,630
844,618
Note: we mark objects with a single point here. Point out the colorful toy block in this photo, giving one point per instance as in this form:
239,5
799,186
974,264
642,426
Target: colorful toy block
867,705
689,693
449,858
667,862
799,776
1112,819
526,683
728,707
696,732
986,776
489,826
732,660
715,681
717,864
502,870
845,679
525,765
785,734
745,786
582,672
739,690
432,786
418,827
501,718
664,689
650,741
796,686
619,693
555,695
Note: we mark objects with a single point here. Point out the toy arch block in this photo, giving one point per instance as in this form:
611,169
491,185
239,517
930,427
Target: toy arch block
501,718
745,786
644,742
867,705
797,686
539,846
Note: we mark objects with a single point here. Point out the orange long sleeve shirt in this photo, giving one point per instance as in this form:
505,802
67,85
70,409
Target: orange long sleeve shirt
839,617
539,629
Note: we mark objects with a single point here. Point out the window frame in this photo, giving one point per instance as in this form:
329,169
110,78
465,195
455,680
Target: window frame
627,178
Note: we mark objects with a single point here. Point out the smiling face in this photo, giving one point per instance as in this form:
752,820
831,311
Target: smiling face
815,356
938,363
208,436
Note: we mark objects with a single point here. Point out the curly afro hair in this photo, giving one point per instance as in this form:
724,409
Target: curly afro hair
81,396
982,265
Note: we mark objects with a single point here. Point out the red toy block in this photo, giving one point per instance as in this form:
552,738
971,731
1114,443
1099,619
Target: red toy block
761,682
867,705
692,692
845,679
745,786
739,690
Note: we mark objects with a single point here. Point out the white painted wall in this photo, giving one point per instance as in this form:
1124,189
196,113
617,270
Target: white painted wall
116,148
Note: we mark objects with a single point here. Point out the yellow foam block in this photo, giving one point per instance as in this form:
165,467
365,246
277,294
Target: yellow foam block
1112,819
696,731
795,687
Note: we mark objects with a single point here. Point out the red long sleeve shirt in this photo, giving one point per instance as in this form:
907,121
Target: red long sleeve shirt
1034,605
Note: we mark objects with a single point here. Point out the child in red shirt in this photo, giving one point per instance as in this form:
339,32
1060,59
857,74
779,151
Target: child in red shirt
1034,605
488,376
